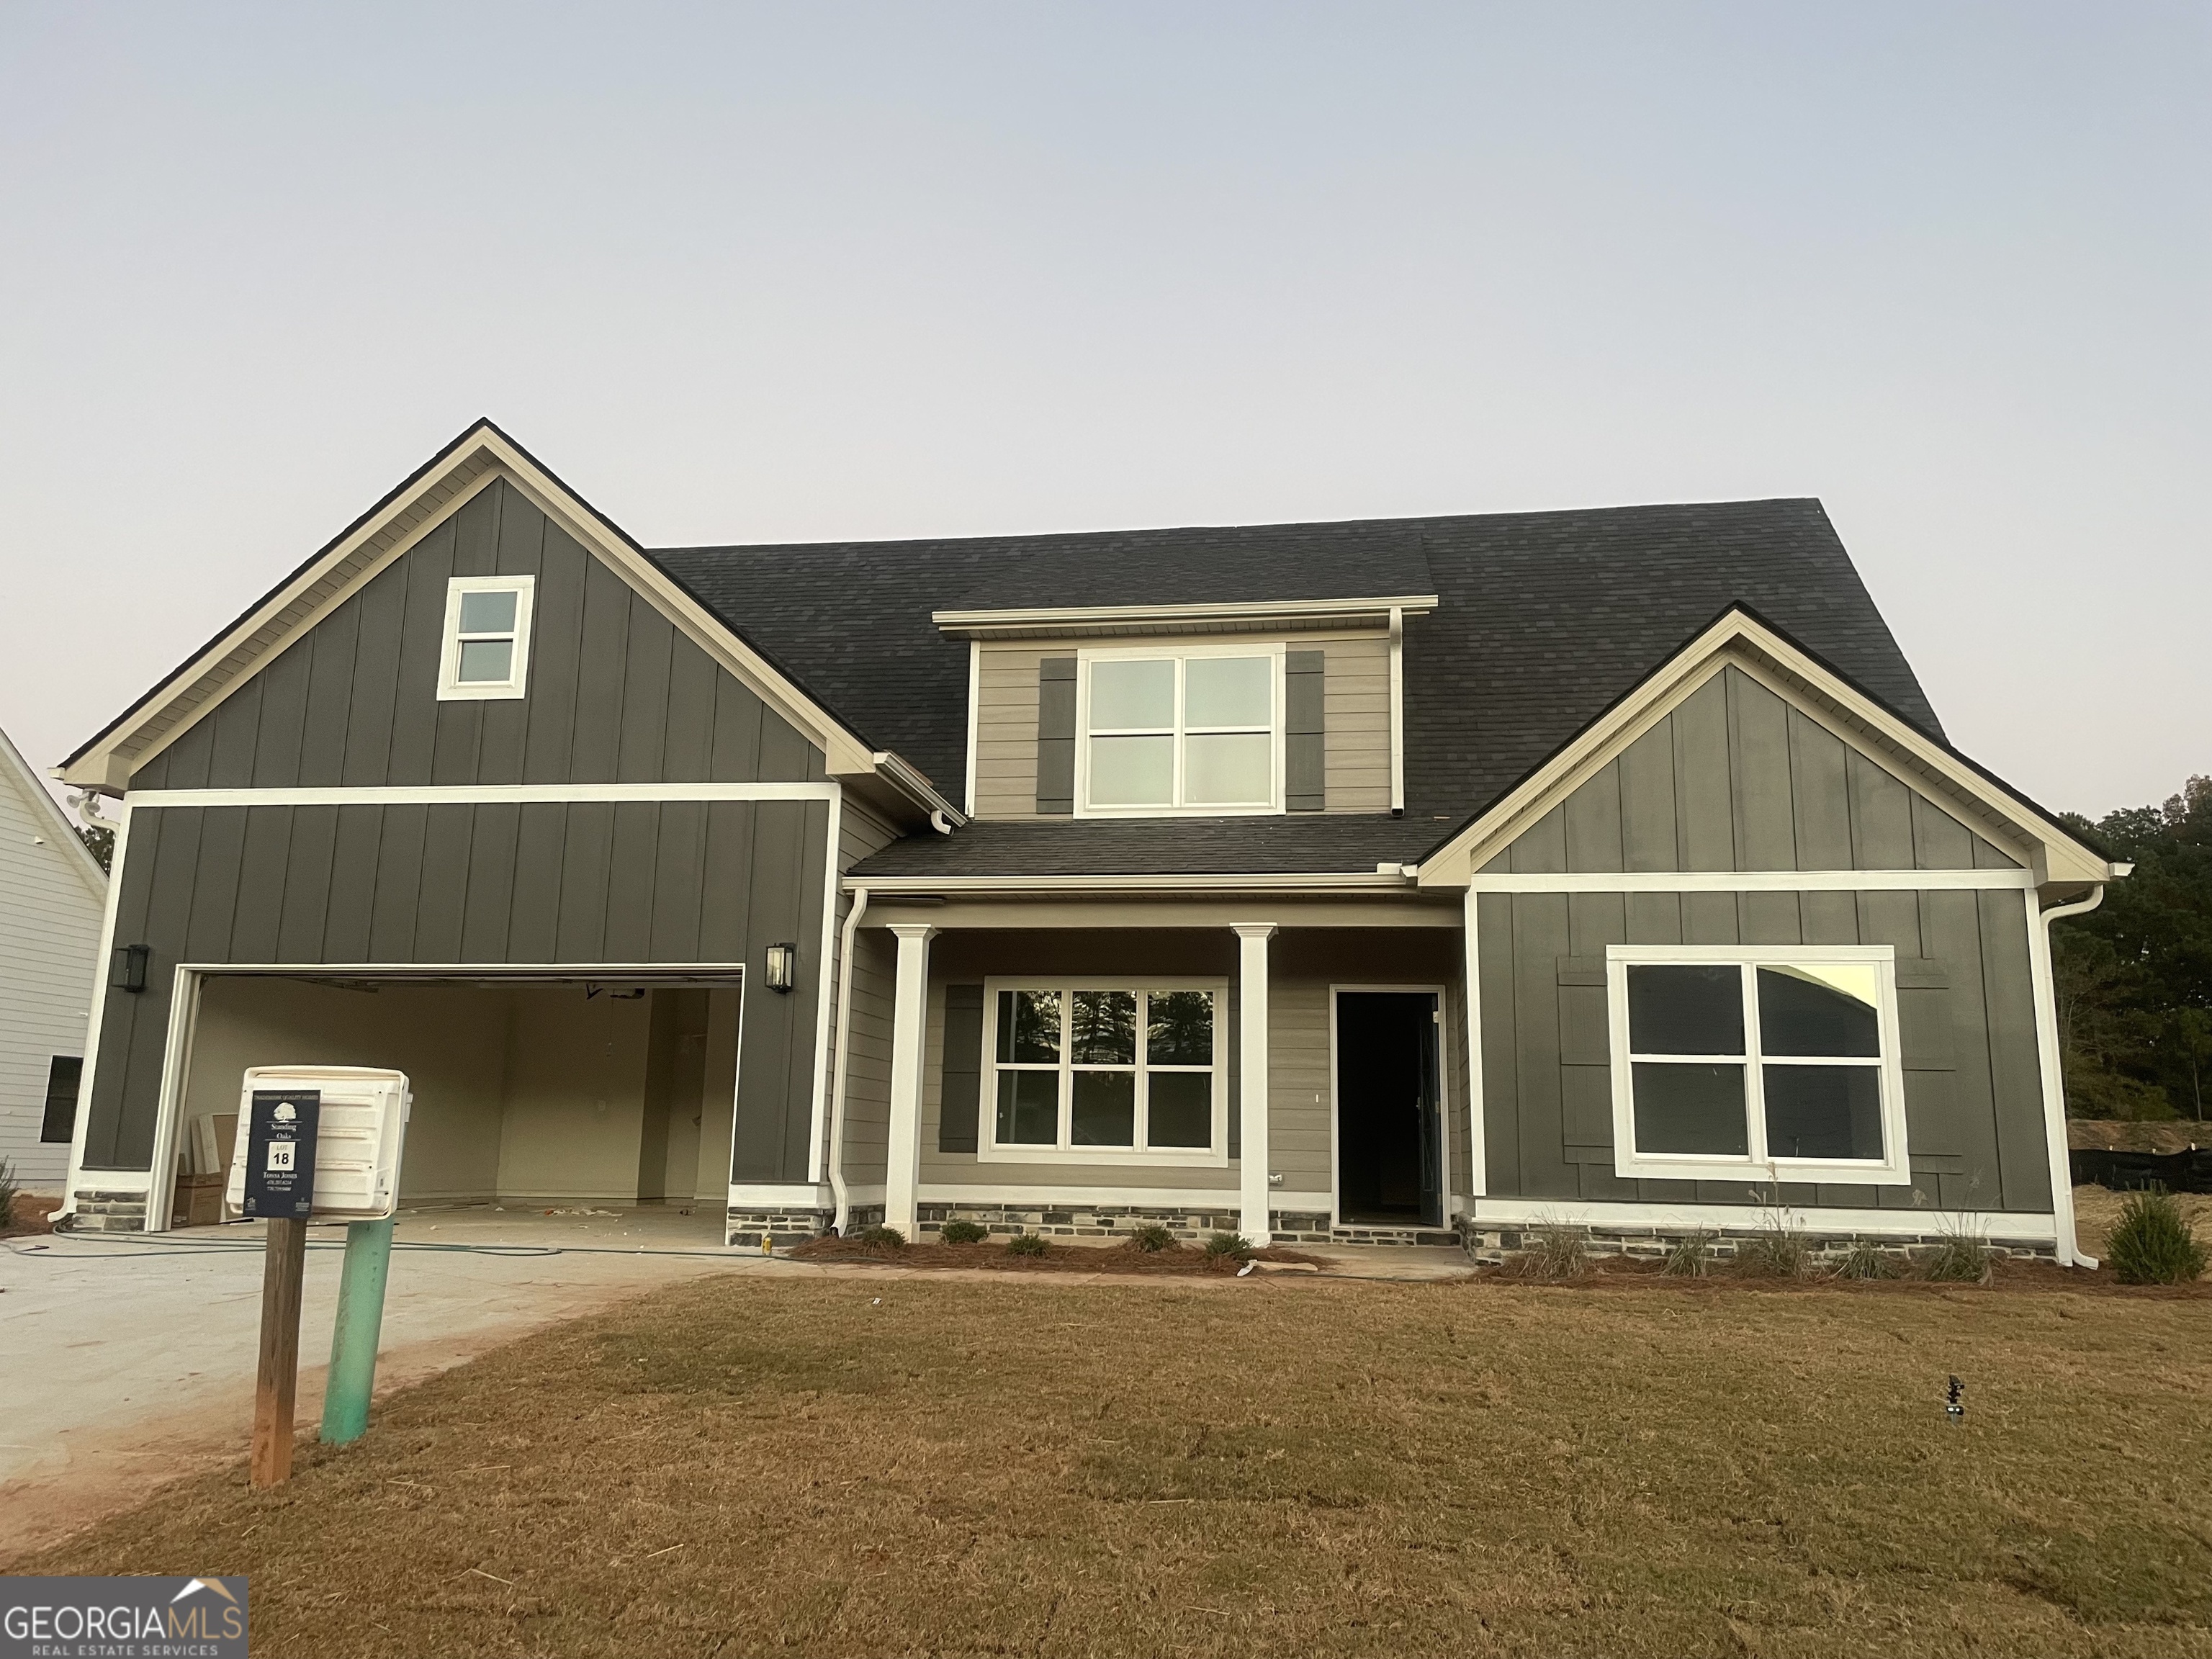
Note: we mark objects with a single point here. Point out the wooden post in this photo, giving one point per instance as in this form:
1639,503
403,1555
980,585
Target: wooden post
284,1270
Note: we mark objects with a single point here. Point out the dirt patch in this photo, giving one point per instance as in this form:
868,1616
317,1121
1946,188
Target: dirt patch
30,1213
2091,1134
1280,1467
993,1255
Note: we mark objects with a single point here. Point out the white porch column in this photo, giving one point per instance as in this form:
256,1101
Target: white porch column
910,1012
1254,1192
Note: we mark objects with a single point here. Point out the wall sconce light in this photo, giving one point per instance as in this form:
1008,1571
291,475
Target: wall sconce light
128,972
782,967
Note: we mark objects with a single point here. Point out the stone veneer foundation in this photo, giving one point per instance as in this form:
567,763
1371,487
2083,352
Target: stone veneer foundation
1493,1242
100,1210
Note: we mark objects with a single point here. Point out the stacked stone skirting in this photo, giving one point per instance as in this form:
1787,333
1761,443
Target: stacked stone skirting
99,1210
1119,1221
1493,1242
1312,1227
786,1226
1079,1220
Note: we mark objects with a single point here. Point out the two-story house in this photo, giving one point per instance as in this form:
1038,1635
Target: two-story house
1365,880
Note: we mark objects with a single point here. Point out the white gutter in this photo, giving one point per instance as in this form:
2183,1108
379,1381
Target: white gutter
844,1060
1386,878
1234,610
2070,1250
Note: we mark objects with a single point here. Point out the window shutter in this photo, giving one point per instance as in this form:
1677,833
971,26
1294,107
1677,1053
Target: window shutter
1055,785
63,1075
959,1097
1304,746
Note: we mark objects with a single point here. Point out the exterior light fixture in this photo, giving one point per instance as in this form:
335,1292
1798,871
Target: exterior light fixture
782,967
128,971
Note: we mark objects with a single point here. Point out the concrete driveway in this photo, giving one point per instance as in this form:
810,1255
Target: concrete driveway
126,1361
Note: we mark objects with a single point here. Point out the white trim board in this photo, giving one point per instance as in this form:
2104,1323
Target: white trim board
468,793
1077,617
775,1194
1044,1197
1753,881
1361,881
1995,1225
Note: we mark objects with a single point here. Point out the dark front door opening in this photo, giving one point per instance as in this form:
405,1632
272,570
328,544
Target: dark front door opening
1389,1165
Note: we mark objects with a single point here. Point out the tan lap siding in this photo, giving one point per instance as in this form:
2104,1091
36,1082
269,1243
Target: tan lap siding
1356,715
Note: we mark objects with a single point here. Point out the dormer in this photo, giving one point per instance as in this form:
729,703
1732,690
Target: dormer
1203,673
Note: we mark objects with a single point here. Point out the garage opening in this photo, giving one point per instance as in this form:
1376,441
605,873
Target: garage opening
585,1097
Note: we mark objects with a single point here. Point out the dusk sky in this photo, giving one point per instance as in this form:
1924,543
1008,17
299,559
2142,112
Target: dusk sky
786,273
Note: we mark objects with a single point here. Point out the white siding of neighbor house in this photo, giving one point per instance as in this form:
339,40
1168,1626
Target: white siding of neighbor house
50,900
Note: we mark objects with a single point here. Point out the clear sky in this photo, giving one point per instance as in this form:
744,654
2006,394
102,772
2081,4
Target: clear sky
829,270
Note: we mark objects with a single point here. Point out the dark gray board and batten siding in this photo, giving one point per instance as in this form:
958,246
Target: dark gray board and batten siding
617,695
1736,779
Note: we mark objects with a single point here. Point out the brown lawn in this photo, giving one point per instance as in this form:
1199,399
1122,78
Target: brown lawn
864,1466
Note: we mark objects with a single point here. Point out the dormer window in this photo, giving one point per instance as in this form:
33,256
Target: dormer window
1195,731
487,648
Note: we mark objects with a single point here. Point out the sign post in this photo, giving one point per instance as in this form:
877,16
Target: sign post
280,1188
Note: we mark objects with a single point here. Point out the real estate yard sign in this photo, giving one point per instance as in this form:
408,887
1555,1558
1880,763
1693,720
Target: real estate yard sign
280,1158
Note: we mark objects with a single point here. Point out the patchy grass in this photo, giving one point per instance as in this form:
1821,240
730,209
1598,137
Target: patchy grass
865,1464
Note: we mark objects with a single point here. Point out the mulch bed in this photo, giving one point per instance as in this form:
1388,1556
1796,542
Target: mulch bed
992,1254
29,1213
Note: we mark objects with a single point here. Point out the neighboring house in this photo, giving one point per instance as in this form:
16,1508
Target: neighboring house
1363,880
51,892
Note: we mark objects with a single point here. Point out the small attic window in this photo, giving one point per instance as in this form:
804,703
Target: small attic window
487,647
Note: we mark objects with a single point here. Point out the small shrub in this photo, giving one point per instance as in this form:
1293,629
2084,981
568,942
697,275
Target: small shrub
880,1237
1554,1250
2153,1243
1775,1251
1027,1244
1152,1237
1689,1256
1865,1260
1963,1258
963,1232
7,1191
1234,1245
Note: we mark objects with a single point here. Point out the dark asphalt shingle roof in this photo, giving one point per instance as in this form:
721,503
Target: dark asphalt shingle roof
1543,620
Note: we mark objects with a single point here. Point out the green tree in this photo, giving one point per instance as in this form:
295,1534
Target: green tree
2134,975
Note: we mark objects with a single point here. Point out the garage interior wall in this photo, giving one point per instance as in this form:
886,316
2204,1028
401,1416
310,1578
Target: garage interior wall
529,1093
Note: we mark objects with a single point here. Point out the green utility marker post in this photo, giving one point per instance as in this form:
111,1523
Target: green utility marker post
359,1327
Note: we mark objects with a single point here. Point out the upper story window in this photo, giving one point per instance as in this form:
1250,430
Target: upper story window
487,648
1736,1061
1196,732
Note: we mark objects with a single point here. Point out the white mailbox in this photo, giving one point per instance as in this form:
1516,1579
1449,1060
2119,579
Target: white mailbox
361,1121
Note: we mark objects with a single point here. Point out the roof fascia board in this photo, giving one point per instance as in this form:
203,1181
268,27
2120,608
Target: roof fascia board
1076,618
42,805
1738,640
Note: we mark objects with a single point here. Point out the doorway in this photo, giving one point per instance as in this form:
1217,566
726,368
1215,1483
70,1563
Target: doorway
1390,1151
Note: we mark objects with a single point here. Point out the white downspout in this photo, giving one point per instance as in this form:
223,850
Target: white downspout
1397,710
2054,1080
843,1058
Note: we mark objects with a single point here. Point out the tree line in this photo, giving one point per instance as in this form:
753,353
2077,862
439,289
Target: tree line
2134,975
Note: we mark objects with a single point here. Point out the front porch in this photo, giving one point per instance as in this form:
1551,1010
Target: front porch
1290,1073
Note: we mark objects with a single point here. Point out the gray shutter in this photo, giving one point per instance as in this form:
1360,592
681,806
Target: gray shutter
1055,786
964,1069
1229,1039
1304,746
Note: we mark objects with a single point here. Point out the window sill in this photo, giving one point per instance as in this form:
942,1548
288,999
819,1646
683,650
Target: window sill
1180,812
1784,1171
1162,1157
481,693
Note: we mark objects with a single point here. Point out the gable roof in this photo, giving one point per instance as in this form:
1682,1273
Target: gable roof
470,462
69,846
1543,620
